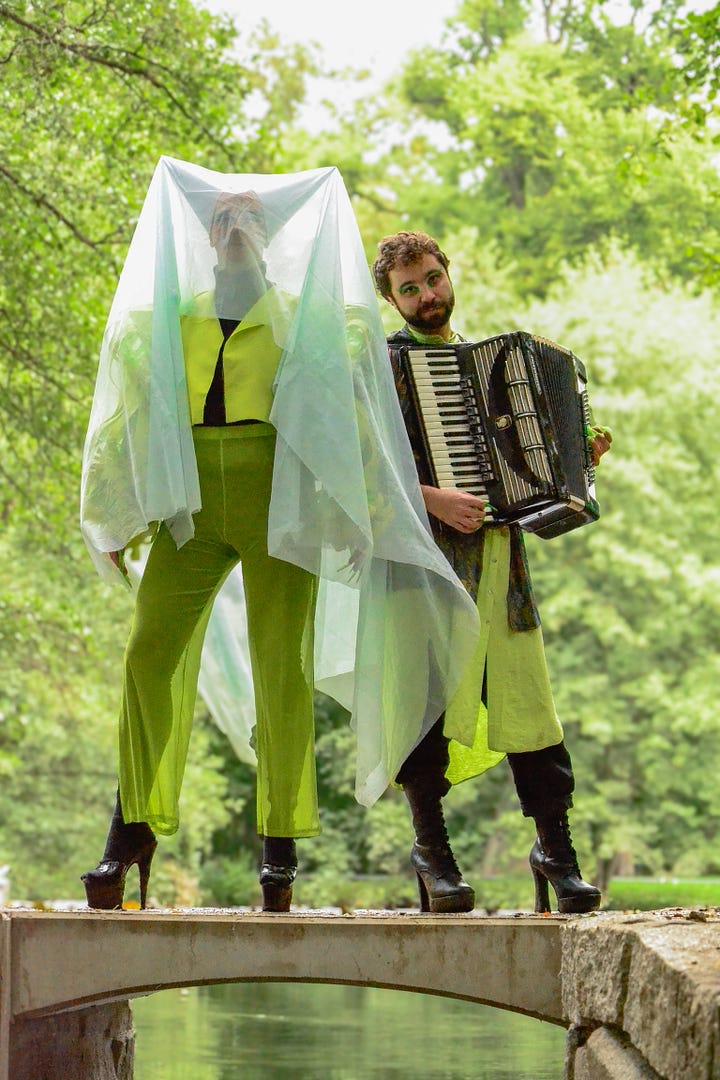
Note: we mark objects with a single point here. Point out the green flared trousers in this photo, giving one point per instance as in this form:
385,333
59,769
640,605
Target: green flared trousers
162,658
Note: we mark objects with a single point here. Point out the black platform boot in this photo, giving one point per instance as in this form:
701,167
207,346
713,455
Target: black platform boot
126,846
440,883
277,873
553,860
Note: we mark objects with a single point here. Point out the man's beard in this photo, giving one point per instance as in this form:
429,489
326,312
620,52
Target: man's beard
433,317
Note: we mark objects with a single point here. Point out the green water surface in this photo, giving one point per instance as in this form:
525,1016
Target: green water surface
246,1030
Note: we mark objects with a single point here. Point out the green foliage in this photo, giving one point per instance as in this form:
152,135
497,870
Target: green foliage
53,742
630,605
229,882
698,44
479,28
548,146
567,165
390,834
352,893
92,95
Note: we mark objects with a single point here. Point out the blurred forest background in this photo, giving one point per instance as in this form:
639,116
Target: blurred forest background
568,162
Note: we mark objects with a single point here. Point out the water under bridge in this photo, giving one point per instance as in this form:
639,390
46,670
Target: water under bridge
638,993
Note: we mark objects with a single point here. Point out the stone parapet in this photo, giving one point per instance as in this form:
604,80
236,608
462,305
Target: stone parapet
95,1043
643,989
606,1056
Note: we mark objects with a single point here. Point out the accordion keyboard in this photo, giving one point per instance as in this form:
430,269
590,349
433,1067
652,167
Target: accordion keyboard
457,442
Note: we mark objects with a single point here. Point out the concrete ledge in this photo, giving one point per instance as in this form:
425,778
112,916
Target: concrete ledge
62,960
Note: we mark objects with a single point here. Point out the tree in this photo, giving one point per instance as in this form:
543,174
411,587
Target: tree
548,144
561,165
630,605
92,93
574,194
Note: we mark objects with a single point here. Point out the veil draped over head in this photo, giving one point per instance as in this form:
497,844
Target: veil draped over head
394,626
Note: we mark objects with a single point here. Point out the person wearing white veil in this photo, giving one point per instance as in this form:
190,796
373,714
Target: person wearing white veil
244,414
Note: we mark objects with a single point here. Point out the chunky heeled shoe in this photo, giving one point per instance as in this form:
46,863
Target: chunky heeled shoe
128,845
277,873
440,883
553,860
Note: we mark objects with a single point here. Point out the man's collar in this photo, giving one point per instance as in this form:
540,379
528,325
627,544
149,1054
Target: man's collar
430,339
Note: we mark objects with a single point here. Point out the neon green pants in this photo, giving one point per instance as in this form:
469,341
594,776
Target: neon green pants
162,659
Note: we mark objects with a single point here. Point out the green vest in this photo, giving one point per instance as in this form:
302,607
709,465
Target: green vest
250,357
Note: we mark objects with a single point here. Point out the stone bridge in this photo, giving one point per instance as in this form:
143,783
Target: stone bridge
638,993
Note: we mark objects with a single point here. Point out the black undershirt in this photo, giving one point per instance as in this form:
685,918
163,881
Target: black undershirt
214,414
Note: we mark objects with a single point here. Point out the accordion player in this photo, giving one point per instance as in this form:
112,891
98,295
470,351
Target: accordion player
506,419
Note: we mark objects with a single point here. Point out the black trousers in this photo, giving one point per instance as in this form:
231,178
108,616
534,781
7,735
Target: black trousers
544,778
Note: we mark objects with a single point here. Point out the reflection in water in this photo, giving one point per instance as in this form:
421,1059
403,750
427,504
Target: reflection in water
316,1032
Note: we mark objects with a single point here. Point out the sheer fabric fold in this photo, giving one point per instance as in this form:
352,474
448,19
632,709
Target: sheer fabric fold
394,626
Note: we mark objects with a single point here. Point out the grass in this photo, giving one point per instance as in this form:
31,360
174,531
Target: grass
646,894
514,892
510,892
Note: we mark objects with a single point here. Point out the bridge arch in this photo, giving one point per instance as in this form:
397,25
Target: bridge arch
625,985
71,960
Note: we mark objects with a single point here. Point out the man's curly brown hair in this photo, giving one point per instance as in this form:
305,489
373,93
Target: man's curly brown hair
402,249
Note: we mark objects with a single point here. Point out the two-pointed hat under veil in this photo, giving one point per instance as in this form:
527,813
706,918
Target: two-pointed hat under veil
394,626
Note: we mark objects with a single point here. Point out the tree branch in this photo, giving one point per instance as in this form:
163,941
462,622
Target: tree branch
41,200
94,56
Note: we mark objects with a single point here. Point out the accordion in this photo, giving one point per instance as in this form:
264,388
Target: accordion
506,419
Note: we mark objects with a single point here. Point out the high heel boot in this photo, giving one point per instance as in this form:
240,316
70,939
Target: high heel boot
277,873
440,883
553,860
127,845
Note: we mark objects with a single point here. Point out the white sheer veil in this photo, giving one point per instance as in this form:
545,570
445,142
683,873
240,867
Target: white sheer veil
394,627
